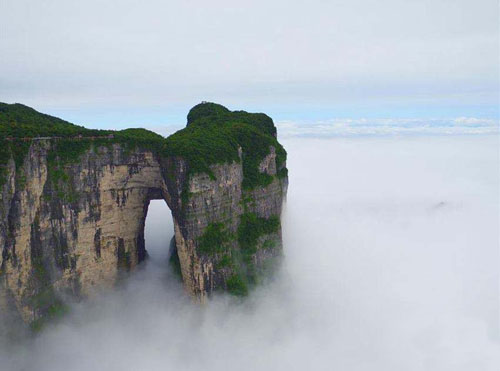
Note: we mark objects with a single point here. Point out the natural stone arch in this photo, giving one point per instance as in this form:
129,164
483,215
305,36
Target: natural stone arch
80,247
73,208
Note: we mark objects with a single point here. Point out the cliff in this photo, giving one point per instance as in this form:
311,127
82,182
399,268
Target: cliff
74,202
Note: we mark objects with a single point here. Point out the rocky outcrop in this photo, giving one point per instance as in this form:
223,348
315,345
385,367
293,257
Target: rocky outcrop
71,228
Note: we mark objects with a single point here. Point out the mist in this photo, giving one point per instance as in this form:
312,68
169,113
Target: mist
391,263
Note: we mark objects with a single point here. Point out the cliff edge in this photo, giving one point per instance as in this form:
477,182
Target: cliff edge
74,202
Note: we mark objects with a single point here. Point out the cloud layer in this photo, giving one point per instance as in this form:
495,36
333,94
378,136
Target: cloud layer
388,127
391,264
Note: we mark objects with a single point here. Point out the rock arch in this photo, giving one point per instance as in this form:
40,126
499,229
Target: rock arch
73,206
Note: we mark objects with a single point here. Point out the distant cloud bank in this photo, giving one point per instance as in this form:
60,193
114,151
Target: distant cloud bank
375,127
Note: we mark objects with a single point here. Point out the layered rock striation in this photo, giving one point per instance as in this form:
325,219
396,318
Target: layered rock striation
73,204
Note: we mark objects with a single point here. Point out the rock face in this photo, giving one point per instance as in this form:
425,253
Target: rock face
71,228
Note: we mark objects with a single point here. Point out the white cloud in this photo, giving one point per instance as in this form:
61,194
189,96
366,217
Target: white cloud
391,264
352,127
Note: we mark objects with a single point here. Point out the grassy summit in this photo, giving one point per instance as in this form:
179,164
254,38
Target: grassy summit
20,121
212,136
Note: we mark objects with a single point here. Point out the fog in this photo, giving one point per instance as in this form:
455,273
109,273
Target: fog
391,263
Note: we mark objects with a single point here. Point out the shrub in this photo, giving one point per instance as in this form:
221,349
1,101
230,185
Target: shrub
252,227
236,286
213,240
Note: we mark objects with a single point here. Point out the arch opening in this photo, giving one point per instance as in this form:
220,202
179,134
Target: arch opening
159,237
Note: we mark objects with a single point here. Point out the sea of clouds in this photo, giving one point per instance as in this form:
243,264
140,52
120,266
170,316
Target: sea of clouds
391,263
368,127
348,127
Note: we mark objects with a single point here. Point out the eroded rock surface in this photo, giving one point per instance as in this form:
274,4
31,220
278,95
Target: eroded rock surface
67,231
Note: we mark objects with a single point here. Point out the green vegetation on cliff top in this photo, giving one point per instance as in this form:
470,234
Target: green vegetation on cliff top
212,136
20,121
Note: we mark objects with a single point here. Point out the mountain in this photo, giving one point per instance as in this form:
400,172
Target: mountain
74,202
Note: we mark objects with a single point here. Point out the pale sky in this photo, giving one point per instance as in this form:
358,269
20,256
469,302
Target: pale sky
147,62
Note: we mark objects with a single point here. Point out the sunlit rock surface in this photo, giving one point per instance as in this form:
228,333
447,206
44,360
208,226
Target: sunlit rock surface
82,236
